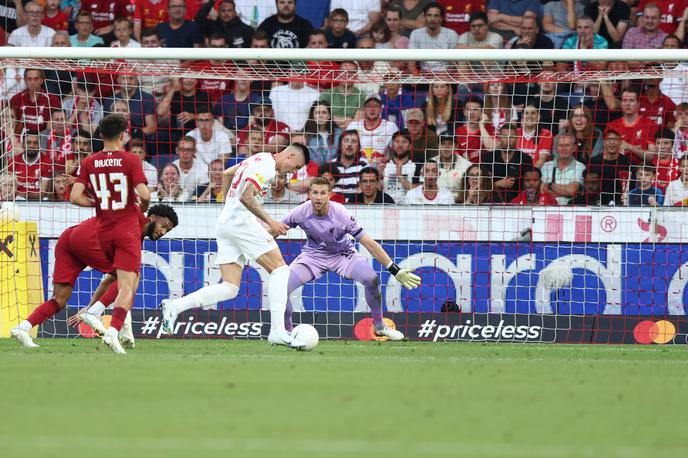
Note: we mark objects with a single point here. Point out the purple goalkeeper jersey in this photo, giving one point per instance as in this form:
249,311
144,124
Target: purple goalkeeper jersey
331,233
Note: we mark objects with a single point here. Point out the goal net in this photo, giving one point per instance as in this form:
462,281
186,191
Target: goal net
537,194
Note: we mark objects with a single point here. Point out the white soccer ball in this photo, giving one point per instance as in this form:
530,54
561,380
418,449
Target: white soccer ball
307,334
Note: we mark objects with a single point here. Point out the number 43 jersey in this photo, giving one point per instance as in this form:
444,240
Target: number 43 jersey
112,177
258,170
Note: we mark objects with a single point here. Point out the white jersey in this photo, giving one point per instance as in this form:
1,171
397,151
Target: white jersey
258,169
374,141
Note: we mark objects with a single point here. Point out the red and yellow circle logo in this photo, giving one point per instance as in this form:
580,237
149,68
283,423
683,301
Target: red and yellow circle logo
365,329
660,332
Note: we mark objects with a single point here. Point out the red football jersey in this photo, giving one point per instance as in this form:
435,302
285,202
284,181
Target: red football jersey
457,12
544,198
273,128
660,112
34,115
30,174
666,172
640,133
59,22
526,144
468,144
104,12
670,12
151,13
112,176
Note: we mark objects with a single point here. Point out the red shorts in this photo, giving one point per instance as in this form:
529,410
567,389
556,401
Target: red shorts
122,249
74,251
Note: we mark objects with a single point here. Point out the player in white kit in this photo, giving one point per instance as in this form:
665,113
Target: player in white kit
241,236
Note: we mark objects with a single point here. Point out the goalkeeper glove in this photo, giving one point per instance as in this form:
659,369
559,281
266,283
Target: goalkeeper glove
406,277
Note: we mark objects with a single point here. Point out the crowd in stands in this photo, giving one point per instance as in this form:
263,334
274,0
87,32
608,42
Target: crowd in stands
528,142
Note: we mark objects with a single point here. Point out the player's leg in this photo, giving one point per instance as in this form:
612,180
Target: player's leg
208,295
299,275
61,294
104,296
360,270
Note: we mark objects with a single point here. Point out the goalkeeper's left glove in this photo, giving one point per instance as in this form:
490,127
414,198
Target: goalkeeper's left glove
406,277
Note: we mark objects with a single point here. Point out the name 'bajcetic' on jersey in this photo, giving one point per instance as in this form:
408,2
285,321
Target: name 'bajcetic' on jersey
109,162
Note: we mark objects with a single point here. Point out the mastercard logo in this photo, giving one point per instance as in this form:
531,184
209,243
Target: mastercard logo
660,332
365,329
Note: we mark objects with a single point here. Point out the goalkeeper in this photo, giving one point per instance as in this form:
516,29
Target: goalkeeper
329,229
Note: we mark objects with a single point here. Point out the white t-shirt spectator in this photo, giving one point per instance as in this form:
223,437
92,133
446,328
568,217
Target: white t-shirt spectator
151,174
21,37
217,146
291,105
374,141
675,192
416,196
446,39
392,185
494,40
196,176
359,11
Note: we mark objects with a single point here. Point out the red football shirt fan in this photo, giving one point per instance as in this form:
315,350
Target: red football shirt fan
30,173
468,144
104,12
151,13
670,11
544,198
273,128
640,133
58,22
667,172
34,114
457,13
112,177
535,146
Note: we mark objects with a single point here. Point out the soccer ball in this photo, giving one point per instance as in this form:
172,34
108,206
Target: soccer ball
306,334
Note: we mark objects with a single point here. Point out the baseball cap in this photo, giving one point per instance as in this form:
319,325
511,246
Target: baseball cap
260,100
414,114
372,97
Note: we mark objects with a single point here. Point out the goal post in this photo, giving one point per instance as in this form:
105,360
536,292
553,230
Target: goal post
525,249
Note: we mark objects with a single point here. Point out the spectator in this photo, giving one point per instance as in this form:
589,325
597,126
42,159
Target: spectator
124,29
589,194
177,32
440,108
588,137
669,13
468,135
83,37
322,134
551,107
424,142
654,105
33,105
610,19
83,110
8,187
192,172
533,139
559,20
237,34
585,37
381,35
432,36
429,193
563,176
529,36
673,86
83,147
253,12
169,188
345,99
141,105
369,183
667,167
392,17
148,15
53,17
285,29
263,121
121,107
278,193
137,147
181,104
648,34
374,132
362,14
212,142
212,192
33,33
56,143
325,171
396,99
645,194
680,130
153,84
476,188
498,105
532,190
348,164
103,13
234,109
338,35
292,102
677,191
370,73
32,168
506,163
479,36
601,102
451,166
401,174
11,83
613,170
636,131
505,16
214,87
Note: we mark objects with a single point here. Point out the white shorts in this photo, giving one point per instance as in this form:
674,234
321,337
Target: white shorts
241,242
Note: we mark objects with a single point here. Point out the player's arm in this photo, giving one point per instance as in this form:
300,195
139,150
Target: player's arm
227,177
78,196
144,195
404,276
250,200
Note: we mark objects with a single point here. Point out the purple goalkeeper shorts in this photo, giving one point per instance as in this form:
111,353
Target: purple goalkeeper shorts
320,263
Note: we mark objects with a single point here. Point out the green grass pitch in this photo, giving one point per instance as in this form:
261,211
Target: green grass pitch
73,398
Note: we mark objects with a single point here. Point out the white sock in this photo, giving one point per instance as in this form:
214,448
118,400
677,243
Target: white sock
25,326
206,296
96,309
277,297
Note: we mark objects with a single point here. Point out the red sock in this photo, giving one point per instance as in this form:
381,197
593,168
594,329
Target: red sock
118,316
43,312
110,295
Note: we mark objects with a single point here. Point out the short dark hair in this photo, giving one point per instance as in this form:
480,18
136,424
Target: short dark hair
473,99
665,133
372,170
647,166
149,32
633,90
260,34
315,32
136,142
328,167
112,126
164,211
433,5
671,37
339,12
478,15
217,35
322,181
203,108
530,169
304,151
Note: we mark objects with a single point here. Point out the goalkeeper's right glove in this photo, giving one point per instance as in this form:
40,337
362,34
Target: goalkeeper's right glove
406,277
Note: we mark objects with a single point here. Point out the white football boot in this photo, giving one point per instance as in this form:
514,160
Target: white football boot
111,339
169,316
23,337
284,338
94,322
390,333
126,334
